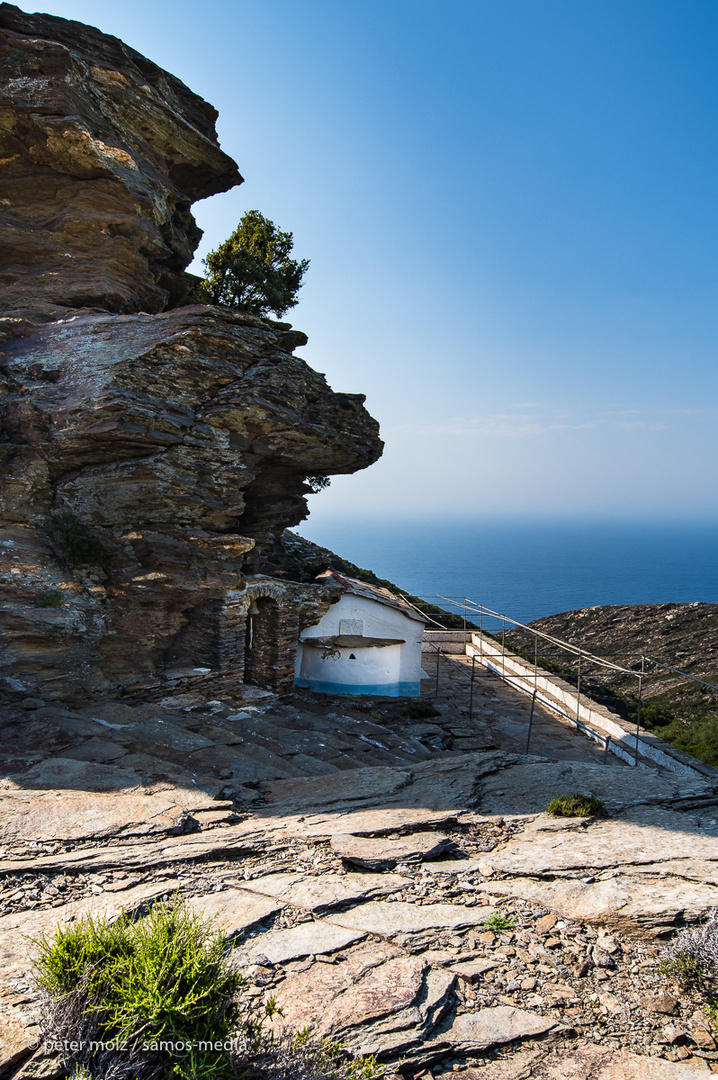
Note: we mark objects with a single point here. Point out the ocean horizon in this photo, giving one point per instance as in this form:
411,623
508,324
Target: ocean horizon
526,568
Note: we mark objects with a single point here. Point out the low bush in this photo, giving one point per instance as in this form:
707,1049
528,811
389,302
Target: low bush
53,598
692,956
72,541
423,710
159,999
498,922
160,987
575,805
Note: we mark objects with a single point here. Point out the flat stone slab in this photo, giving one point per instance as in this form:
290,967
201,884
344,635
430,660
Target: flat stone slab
67,773
87,815
472,970
387,919
306,939
492,1027
383,853
649,835
167,732
376,1001
438,785
587,1062
97,750
18,932
241,839
305,996
527,787
17,1042
651,903
456,866
326,890
385,989
235,910
384,820
691,869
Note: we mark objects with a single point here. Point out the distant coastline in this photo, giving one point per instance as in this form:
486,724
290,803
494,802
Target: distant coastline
531,569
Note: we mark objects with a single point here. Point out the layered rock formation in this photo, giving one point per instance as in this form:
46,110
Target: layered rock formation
103,154
146,448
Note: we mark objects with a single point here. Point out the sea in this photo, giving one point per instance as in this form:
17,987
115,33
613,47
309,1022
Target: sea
527,569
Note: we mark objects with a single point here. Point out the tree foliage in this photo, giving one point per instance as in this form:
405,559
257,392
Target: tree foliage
252,270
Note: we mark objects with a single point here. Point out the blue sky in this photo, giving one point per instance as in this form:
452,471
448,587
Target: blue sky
510,211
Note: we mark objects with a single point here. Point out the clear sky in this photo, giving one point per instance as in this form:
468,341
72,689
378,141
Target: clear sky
510,211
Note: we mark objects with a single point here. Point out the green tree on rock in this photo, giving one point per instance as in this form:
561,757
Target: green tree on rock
252,270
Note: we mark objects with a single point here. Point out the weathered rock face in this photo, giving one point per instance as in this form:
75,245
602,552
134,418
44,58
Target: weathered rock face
176,441
197,418
103,154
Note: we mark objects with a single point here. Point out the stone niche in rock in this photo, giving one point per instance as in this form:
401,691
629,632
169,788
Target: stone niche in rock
149,452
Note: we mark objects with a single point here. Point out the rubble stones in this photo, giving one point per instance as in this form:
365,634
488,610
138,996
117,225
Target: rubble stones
18,933
586,1062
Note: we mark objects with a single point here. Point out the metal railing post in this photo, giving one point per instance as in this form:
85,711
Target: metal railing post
503,650
471,691
531,720
578,691
605,749
438,657
640,700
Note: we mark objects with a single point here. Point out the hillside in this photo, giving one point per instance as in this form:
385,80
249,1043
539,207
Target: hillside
681,636
302,559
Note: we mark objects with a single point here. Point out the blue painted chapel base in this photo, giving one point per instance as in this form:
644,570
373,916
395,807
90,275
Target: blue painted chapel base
399,689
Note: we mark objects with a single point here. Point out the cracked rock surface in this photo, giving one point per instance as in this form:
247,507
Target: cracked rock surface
399,962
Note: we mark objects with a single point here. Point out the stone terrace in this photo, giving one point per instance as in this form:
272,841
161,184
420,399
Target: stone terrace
353,853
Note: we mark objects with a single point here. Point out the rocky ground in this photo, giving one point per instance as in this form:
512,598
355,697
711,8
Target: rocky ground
353,854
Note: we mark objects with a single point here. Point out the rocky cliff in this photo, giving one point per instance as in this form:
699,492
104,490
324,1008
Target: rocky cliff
103,154
146,448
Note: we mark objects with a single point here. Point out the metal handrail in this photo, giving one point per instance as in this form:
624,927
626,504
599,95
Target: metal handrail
472,607
512,680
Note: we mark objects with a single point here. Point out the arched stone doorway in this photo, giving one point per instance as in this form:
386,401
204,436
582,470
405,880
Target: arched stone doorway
261,643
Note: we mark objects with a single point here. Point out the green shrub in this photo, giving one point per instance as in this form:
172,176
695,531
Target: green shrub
53,598
575,805
161,986
684,969
72,541
159,999
423,710
498,922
